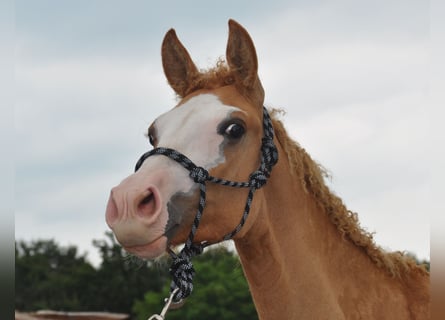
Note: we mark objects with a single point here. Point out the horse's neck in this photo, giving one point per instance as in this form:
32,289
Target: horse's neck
280,257
298,265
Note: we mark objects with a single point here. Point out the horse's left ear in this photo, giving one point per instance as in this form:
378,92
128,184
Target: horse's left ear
242,59
178,66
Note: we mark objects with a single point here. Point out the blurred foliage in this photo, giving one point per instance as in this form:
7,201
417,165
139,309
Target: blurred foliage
220,291
49,276
45,272
423,262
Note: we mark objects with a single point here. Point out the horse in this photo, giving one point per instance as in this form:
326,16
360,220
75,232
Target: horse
304,254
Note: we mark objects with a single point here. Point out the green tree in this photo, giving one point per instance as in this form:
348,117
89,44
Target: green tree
48,276
220,291
422,262
121,279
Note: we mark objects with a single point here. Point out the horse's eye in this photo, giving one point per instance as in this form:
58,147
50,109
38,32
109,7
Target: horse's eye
151,139
234,131
151,135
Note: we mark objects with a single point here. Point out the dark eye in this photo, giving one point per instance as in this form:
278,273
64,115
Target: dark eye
234,131
151,135
151,139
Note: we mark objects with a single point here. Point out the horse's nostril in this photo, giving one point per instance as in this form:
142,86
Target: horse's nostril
147,206
147,199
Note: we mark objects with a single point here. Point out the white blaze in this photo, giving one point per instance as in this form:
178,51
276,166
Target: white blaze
190,129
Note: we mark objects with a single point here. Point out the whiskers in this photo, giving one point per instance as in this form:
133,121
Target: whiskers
132,261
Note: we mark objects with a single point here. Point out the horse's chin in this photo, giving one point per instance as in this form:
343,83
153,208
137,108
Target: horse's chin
150,250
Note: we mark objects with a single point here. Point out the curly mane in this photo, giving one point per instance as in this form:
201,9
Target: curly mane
218,76
311,176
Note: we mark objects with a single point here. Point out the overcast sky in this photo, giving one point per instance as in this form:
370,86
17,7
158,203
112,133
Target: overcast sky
352,76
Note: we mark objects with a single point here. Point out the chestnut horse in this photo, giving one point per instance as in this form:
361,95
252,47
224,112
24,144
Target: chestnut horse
302,251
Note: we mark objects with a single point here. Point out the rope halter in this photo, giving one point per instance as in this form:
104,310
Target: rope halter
181,269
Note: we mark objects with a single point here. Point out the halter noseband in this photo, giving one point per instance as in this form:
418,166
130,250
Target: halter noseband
182,269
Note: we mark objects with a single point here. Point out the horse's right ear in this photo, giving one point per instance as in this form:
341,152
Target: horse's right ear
241,55
242,59
178,66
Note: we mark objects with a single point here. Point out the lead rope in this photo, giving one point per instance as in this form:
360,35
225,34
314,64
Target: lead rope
181,269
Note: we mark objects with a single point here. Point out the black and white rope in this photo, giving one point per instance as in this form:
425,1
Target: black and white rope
181,268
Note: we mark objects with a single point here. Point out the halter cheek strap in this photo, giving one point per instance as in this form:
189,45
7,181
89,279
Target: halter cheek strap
181,268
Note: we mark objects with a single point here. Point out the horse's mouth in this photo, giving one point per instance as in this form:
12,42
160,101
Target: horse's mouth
150,250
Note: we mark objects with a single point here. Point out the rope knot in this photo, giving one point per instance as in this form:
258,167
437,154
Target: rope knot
182,270
199,174
270,151
258,179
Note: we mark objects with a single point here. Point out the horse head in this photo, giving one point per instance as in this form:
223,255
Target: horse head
218,125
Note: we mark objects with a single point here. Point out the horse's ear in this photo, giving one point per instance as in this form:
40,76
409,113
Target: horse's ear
242,59
178,66
241,54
